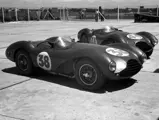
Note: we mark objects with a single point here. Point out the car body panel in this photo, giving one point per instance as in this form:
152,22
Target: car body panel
144,40
63,60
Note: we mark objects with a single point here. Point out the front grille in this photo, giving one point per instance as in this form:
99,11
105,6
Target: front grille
143,46
133,67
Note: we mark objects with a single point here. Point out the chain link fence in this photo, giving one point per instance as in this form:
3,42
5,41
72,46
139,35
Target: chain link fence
63,13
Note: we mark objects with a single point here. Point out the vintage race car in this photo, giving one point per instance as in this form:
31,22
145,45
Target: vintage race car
90,64
108,35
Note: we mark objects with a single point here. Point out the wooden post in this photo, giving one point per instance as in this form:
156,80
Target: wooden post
16,15
3,20
138,10
63,13
118,13
28,11
157,10
67,14
60,14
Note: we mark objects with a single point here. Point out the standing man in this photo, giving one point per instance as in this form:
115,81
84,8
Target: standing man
101,13
96,15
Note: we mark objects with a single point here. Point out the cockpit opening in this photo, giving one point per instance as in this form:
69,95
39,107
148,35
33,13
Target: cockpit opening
58,42
108,29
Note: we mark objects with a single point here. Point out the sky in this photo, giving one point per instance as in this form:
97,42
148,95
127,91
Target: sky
77,3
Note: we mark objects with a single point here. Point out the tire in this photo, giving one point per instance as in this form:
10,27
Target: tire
23,63
148,54
84,38
84,68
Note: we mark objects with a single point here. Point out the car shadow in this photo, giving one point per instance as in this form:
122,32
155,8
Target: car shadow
110,86
157,70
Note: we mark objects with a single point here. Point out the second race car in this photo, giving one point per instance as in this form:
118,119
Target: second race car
108,35
92,65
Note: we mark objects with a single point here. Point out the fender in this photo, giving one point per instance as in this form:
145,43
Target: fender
116,38
152,38
13,48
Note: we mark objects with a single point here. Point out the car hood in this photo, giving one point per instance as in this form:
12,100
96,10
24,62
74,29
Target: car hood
134,52
131,49
132,38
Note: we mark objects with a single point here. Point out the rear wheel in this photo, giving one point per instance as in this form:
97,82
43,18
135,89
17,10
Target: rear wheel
23,63
88,75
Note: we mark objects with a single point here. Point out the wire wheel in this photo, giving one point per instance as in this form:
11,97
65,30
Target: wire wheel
23,63
88,75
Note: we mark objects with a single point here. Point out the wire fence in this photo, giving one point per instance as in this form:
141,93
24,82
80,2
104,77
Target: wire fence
63,13
149,10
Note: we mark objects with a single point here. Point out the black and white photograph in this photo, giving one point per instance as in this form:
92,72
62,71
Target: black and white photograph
79,60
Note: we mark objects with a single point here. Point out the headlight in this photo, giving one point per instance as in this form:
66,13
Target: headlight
112,66
117,66
117,52
120,65
134,36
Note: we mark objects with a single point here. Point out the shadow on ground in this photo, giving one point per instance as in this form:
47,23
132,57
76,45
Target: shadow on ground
111,86
156,71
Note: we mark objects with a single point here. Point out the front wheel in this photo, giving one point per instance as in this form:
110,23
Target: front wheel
24,63
88,75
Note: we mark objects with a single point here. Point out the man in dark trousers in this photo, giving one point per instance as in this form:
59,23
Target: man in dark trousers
101,12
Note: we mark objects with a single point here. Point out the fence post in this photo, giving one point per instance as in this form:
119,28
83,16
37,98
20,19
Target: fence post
118,12
16,15
138,10
64,13
60,14
67,14
28,11
3,15
157,10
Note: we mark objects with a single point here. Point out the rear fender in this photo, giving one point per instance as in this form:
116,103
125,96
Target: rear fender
150,37
85,31
115,38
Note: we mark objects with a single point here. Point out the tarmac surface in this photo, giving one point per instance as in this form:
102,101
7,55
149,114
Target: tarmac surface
48,97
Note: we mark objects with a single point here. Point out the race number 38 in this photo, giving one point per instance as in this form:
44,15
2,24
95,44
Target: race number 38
44,61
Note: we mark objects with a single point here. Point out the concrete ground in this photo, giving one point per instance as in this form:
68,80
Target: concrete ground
47,97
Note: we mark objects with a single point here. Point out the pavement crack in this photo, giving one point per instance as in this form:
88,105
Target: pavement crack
15,84
11,117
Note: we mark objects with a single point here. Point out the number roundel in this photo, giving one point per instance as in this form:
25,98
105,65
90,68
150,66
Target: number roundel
44,61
